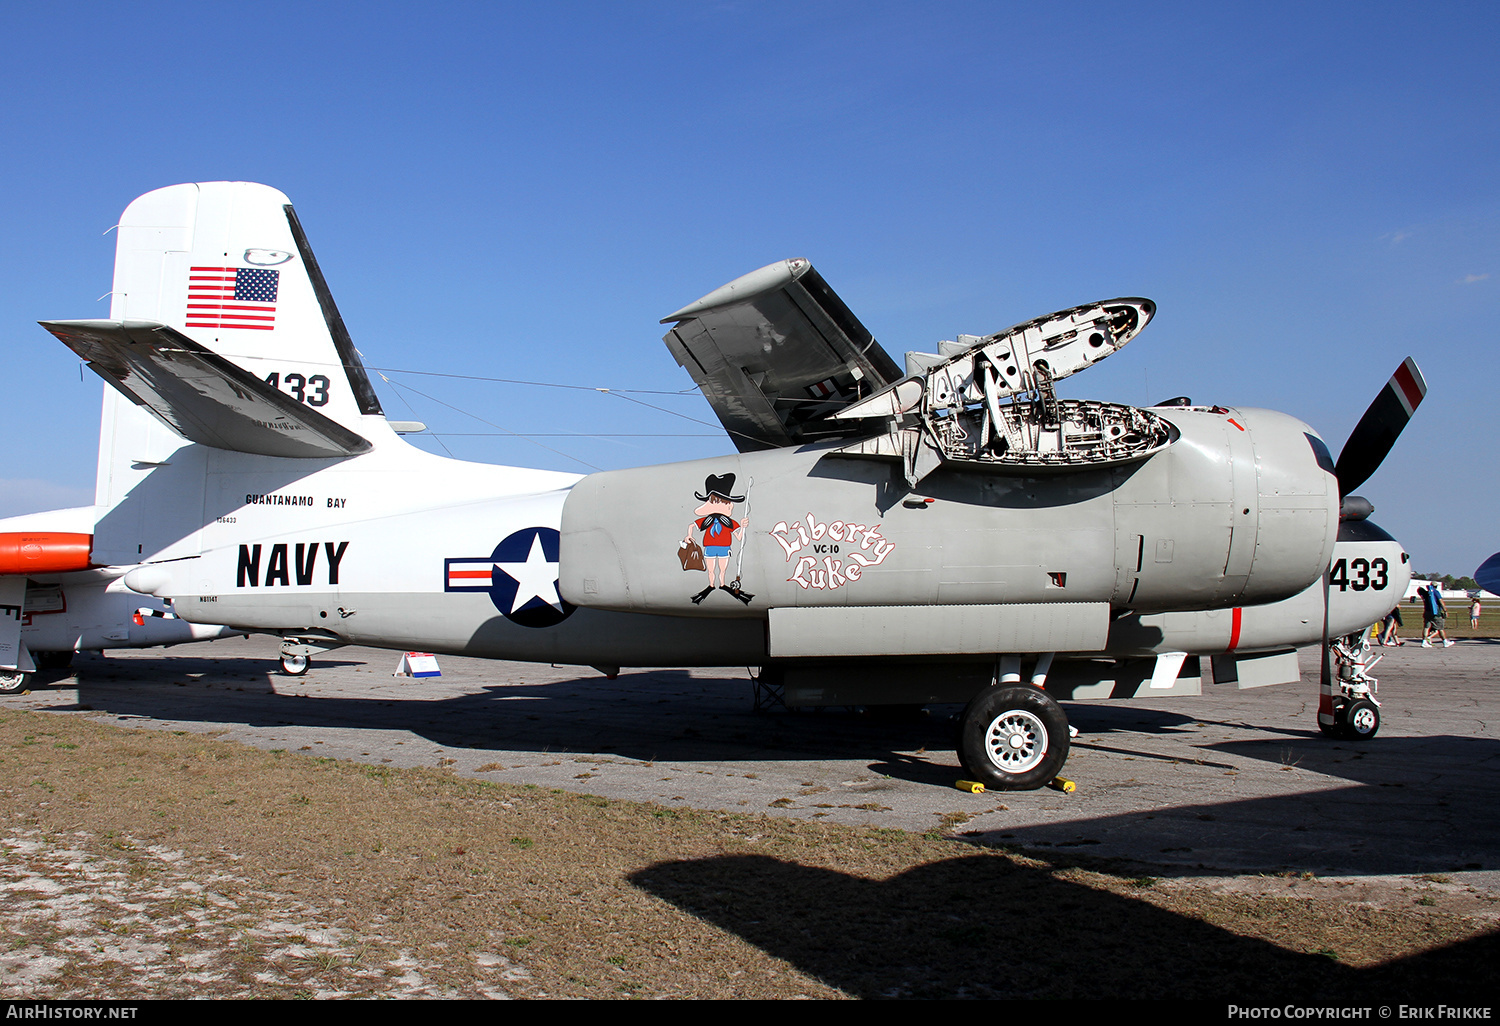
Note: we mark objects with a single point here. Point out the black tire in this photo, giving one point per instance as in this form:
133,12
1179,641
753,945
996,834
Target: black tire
295,666
1013,738
13,682
1361,720
1335,729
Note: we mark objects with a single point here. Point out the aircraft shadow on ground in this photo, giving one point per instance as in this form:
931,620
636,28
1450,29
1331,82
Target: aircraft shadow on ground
669,714
664,714
1094,719
1408,814
179,671
980,926
1342,831
1415,808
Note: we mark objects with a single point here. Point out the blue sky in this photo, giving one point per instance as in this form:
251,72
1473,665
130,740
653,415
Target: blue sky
1309,193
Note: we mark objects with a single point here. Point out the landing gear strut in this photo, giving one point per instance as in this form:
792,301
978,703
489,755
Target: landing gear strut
1347,708
297,651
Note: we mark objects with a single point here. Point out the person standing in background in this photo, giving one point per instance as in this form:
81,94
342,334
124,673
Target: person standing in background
1434,616
1392,621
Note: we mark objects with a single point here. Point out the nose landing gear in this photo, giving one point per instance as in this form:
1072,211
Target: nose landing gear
1347,707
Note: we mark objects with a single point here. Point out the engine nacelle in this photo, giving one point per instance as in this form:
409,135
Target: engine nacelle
1242,508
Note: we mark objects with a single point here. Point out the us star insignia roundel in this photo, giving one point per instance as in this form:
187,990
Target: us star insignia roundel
520,577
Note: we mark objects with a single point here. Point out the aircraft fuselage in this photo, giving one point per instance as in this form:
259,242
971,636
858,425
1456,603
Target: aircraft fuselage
400,549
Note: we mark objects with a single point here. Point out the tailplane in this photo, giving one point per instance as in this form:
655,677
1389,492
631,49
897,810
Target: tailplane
202,396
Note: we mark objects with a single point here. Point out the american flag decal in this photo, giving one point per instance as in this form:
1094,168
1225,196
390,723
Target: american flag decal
232,297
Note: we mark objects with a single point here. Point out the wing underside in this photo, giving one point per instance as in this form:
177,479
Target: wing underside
200,395
775,353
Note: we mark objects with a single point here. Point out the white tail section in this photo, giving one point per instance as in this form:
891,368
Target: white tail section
227,264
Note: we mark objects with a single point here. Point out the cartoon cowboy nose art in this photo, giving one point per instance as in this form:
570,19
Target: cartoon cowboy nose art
720,534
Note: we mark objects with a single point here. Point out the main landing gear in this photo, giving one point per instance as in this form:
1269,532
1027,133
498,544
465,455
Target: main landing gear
297,651
1013,737
15,681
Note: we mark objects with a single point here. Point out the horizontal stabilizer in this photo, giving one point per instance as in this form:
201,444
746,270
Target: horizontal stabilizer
201,395
775,353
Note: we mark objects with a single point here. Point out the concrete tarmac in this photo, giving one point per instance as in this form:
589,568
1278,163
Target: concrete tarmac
1232,782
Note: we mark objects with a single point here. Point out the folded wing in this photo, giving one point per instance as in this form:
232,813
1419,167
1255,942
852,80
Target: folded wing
775,353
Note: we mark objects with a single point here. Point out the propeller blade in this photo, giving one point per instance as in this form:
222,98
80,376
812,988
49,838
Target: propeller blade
1379,428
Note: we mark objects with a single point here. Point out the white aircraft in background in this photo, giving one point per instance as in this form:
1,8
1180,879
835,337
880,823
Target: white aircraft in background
54,601
894,537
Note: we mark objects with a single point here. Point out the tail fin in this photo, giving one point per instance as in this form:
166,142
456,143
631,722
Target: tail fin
227,265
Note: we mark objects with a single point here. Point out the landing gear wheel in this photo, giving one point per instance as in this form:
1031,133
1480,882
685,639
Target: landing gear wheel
1358,720
13,681
1361,720
1335,729
1013,738
295,665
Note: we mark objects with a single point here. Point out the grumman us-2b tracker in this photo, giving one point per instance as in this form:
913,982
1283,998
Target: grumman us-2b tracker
950,531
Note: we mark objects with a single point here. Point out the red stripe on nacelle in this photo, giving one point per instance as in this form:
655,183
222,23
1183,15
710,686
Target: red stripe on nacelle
44,552
1234,629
